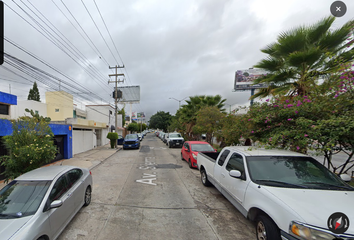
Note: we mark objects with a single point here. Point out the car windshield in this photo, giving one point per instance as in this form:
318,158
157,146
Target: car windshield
290,171
202,148
175,135
131,136
22,198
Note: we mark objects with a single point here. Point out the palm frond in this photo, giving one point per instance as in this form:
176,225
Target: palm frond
317,31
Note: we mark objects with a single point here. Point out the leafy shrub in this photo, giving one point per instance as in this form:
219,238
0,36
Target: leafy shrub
112,136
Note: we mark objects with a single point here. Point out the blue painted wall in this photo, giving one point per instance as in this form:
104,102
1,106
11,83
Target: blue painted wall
65,130
8,98
57,129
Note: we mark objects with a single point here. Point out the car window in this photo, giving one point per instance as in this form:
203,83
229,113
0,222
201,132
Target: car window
235,163
186,146
222,157
175,135
73,176
22,198
202,148
59,188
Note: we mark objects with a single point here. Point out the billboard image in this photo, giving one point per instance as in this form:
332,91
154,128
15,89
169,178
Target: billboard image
130,94
244,79
141,115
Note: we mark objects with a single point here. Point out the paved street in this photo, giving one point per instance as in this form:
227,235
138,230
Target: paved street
153,194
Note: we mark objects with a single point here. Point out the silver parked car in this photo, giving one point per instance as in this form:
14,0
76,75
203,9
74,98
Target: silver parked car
39,204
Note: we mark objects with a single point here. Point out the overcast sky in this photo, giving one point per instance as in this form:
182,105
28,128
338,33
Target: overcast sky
171,48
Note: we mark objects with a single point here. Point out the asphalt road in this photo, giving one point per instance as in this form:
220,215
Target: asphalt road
152,194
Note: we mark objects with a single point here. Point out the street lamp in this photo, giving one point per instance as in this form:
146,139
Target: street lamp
179,101
229,105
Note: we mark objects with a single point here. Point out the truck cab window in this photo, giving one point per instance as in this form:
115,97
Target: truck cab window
223,157
236,163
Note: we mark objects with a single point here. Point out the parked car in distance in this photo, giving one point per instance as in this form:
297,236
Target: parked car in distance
131,141
287,194
175,140
165,138
120,140
140,137
39,204
190,150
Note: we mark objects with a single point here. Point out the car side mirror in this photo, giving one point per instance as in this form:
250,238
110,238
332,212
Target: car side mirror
345,177
235,174
56,204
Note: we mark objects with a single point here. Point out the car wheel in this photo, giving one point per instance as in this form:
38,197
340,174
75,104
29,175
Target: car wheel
182,157
87,196
190,163
204,178
266,229
169,145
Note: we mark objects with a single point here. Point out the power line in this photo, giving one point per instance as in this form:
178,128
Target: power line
99,31
85,32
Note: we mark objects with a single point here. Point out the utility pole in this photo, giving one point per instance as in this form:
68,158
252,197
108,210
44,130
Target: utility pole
116,93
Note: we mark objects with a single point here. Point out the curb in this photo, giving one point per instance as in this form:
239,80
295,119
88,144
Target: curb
92,167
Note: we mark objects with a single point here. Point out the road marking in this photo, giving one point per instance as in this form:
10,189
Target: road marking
148,178
147,181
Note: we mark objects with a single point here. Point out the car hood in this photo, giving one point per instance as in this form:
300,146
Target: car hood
315,206
8,227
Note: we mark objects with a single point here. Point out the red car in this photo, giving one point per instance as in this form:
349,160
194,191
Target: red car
190,149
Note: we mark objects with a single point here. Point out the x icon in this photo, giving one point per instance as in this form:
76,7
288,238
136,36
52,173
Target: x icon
338,9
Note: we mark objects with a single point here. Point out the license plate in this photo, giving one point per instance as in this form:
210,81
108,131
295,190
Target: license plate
177,143
129,145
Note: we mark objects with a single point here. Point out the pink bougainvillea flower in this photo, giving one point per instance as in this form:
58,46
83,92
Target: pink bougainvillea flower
306,135
290,119
252,131
296,112
267,100
297,147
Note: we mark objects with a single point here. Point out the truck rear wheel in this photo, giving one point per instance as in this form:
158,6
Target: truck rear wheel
266,229
204,178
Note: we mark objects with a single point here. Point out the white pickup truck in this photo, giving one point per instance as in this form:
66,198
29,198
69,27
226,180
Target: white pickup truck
287,194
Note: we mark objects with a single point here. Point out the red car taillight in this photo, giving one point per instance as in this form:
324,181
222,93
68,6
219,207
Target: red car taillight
90,173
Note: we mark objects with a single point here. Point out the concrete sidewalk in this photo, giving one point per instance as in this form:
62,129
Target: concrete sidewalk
88,159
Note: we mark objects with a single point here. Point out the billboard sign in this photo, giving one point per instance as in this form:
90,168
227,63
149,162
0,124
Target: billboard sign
130,94
244,79
140,115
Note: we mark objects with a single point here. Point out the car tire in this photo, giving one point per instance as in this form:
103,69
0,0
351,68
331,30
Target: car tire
204,178
266,229
182,157
41,238
87,197
190,163
169,145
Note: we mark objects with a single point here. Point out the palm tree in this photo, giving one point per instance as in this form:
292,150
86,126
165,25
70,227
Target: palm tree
302,56
188,113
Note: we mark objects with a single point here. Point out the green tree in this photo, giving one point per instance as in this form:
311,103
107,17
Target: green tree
208,122
188,113
133,127
34,93
30,146
302,56
160,120
122,111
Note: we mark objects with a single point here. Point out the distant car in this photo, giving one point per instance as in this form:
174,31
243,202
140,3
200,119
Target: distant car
120,140
175,140
140,136
131,141
165,138
39,204
190,149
